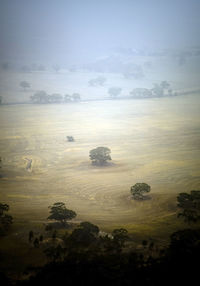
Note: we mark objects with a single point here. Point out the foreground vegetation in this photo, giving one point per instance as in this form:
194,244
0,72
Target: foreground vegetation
85,253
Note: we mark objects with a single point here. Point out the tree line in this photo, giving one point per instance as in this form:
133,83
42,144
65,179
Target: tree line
43,97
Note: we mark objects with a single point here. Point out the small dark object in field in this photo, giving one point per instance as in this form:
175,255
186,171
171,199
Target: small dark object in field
36,243
29,164
31,235
70,138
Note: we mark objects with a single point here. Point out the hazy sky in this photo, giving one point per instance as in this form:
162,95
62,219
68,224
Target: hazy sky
70,30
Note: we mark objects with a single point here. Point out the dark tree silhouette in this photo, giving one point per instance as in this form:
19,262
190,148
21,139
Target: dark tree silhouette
5,220
120,236
100,155
190,205
83,236
139,189
60,213
30,236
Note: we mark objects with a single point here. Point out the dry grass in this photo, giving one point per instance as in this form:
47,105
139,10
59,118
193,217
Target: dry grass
154,141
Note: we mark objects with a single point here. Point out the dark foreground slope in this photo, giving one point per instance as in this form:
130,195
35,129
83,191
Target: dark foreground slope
178,264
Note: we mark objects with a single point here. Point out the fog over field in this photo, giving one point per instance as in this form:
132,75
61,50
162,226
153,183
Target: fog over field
77,75
156,141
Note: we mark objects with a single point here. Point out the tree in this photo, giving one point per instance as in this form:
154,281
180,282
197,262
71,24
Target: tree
5,220
83,236
94,229
141,93
100,155
190,205
139,189
114,91
185,242
157,90
54,253
25,85
40,97
70,139
30,236
120,236
60,213
67,98
36,242
54,235
164,84
76,97
97,81
55,98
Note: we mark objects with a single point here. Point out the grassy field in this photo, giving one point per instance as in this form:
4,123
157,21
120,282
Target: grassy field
154,141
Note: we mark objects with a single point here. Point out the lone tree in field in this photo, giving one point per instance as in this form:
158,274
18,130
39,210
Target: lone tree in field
139,189
190,205
100,155
114,91
25,85
70,139
60,213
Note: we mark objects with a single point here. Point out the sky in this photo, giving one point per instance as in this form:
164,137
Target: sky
81,30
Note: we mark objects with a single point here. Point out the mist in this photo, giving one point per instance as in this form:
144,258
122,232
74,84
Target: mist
99,142
81,31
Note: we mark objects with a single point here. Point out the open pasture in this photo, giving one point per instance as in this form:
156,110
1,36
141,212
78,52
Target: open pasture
156,141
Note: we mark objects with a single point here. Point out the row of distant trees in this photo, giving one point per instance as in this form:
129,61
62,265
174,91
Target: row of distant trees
43,97
159,90
5,66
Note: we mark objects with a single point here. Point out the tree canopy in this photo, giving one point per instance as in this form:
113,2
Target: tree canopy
100,155
59,212
84,235
114,91
190,205
99,81
139,189
24,84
